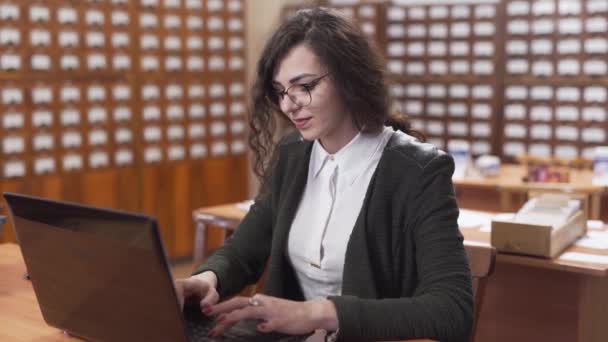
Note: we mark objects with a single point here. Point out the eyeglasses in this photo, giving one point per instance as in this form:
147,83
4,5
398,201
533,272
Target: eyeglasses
299,94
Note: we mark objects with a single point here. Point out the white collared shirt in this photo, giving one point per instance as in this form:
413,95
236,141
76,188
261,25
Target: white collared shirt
330,205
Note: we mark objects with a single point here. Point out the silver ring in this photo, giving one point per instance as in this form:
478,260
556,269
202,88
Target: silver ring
253,301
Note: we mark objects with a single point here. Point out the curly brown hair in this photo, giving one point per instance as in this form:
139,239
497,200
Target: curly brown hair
356,67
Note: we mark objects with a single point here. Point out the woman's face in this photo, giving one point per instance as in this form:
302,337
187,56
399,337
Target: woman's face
325,117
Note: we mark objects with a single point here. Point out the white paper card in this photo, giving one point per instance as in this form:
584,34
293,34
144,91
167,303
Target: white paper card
153,155
395,13
516,92
194,43
123,157
39,14
438,31
41,62
517,27
151,113
42,118
540,113
149,63
237,108
172,22
195,63
235,25
120,18
566,94
175,132
122,114
14,168
9,36
218,149
148,21
12,120
566,113
570,26
596,67
481,111
173,63
13,144
194,23
436,109
94,17
517,8
517,66
217,109
70,94
217,128
10,62
149,41
568,67
175,112
69,62
42,95
97,115
96,61
98,137
515,112
68,38
120,39
543,26
594,135
173,43
196,111
72,162
9,12
12,96
460,30
596,25
596,94
198,151
595,114
44,165
152,133
485,11
541,132
71,139
196,131
98,159
541,93
70,117
123,135
40,38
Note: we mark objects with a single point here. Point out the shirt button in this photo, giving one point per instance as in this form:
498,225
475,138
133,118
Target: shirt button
331,158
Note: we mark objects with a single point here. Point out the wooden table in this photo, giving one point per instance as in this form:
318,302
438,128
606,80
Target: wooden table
526,299
509,181
20,317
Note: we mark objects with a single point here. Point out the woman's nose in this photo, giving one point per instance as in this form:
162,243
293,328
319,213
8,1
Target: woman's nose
287,105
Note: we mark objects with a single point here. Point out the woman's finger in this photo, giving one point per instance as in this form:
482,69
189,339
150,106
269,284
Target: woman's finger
248,312
230,305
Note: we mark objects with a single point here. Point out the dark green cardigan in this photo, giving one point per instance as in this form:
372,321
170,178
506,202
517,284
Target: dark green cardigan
405,272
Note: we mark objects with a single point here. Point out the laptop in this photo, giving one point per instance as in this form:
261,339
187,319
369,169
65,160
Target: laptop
102,275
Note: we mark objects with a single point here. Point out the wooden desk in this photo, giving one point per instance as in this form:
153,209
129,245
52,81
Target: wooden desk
526,299
509,181
20,317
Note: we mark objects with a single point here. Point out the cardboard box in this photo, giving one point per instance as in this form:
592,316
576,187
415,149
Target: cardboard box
537,240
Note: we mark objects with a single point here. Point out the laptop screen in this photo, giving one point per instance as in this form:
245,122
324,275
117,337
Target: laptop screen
99,274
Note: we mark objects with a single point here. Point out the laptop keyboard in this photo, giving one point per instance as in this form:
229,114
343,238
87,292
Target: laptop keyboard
198,327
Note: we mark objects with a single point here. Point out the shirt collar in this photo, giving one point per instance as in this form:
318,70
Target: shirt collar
353,158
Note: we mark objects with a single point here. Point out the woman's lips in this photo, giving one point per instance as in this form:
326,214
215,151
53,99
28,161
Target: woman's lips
302,123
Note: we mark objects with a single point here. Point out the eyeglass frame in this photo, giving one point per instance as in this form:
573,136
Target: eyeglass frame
281,94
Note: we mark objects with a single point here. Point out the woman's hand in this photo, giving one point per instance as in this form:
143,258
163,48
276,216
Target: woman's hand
275,314
199,289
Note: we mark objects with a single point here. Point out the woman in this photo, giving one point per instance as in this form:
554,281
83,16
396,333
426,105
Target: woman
355,222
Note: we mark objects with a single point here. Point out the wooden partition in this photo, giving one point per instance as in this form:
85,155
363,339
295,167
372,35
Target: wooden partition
131,104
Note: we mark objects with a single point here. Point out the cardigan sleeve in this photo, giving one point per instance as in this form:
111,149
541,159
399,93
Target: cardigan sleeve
441,307
242,259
